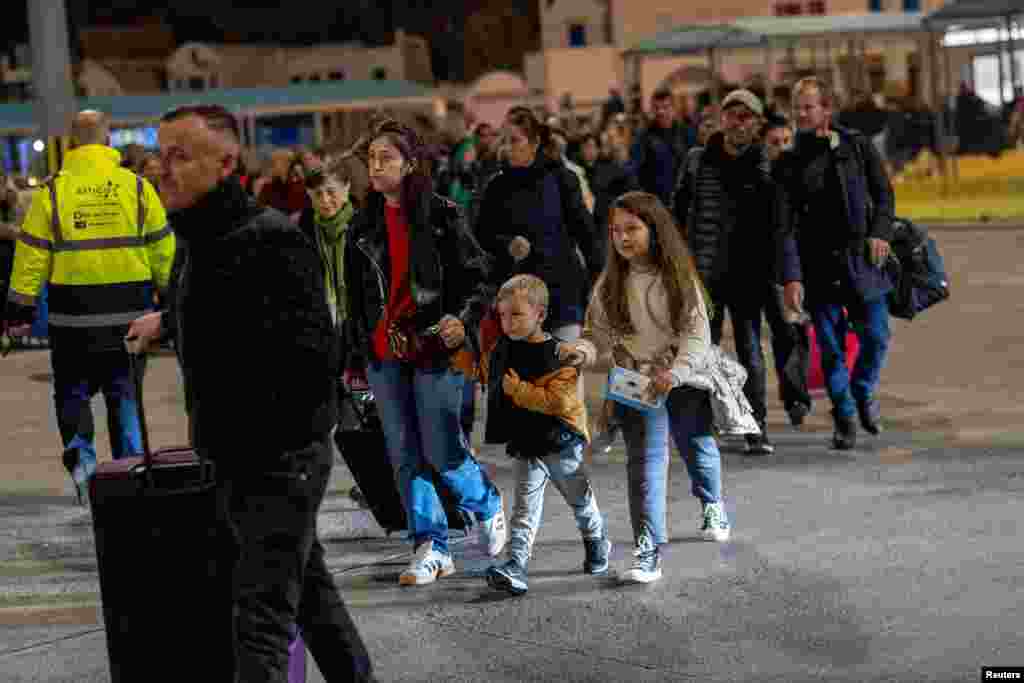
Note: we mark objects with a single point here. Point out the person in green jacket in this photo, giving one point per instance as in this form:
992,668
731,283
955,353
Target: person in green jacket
326,225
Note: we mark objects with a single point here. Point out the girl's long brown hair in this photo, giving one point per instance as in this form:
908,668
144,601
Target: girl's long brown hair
669,255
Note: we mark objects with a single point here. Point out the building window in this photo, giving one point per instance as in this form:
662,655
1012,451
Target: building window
577,35
816,7
874,5
911,5
196,83
788,9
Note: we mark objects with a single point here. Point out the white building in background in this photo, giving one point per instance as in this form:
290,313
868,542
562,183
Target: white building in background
583,41
199,66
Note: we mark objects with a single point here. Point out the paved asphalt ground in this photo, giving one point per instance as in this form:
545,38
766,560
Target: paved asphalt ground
900,561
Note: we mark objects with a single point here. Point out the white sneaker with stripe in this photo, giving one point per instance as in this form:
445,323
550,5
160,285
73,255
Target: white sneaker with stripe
427,566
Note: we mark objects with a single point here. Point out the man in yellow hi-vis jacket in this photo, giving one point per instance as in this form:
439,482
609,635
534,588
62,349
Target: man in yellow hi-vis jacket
96,236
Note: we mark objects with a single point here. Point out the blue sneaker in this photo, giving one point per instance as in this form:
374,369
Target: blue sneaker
598,550
509,577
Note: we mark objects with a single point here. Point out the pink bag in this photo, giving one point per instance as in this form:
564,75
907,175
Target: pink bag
815,374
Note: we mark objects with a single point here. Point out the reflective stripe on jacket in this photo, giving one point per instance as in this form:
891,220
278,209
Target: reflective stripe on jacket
100,251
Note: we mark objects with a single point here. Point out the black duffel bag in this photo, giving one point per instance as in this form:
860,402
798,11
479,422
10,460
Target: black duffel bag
917,271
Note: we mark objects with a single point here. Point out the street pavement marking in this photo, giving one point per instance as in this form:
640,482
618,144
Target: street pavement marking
894,455
75,614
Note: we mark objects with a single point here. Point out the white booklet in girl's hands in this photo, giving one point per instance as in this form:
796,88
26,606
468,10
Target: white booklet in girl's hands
633,389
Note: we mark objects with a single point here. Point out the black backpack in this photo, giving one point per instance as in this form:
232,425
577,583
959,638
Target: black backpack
917,271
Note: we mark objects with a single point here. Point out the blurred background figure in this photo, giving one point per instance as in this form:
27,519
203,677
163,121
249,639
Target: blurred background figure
285,190
777,135
708,124
150,168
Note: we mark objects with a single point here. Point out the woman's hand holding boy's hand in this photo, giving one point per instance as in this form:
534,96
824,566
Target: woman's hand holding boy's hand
663,382
570,354
509,382
452,331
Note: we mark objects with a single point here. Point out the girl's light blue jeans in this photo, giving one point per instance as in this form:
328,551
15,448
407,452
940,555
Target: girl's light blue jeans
687,415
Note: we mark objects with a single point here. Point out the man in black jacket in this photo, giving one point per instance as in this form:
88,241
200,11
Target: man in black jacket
836,244
258,353
659,151
731,210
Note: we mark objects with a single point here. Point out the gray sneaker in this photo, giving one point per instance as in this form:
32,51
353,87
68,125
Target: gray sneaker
715,524
646,566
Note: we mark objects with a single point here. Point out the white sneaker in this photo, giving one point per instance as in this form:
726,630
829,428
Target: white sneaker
646,566
493,531
427,566
714,523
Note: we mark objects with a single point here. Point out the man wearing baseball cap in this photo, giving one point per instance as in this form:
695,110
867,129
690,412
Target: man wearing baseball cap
731,211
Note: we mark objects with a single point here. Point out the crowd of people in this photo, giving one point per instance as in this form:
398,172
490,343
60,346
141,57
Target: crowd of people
516,257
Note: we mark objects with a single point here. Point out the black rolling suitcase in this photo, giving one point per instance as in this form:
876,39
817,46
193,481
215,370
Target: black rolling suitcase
363,448
163,565
165,568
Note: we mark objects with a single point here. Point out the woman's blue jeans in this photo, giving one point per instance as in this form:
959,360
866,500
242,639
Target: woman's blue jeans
421,413
687,415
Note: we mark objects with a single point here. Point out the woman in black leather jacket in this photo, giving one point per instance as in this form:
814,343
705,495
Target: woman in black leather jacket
417,283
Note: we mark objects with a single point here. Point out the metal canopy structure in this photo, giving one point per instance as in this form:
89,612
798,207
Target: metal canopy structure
973,14
771,33
692,39
794,28
966,10
134,110
752,32
1004,15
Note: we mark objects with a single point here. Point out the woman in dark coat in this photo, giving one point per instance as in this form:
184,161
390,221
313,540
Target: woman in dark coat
532,219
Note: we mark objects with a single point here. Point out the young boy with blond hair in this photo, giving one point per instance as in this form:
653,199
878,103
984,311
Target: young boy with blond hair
534,407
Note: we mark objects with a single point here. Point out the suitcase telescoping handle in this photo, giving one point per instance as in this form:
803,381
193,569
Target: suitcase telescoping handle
138,370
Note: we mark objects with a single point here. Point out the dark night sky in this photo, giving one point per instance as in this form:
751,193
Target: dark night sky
250,20
212,19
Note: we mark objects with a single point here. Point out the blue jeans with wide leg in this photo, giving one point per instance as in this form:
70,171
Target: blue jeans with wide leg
421,413
871,320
